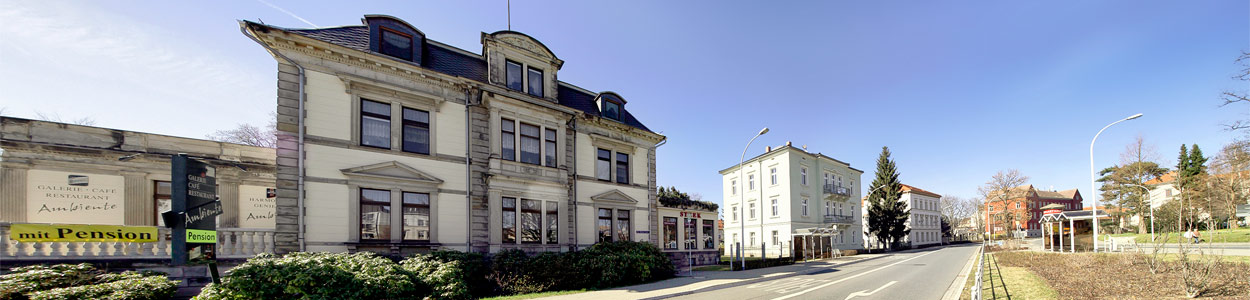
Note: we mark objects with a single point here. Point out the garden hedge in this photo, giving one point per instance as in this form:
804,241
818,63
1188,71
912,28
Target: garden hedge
83,281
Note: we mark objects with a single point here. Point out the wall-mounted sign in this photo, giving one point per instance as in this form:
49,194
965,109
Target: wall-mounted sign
256,206
689,214
1051,211
65,197
201,236
81,233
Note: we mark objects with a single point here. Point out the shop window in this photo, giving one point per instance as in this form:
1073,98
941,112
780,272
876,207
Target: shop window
670,233
692,233
709,230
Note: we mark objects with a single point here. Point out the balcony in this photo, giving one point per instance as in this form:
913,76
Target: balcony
837,190
838,219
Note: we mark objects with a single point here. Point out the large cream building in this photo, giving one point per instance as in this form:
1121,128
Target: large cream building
411,145
925,220
791,193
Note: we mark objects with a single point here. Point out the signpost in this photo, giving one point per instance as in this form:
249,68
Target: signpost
194,212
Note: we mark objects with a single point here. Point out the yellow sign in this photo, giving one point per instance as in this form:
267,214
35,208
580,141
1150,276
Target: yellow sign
81,233
201,236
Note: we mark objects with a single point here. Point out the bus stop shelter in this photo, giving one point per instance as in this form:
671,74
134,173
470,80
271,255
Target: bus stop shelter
1069,231
815,243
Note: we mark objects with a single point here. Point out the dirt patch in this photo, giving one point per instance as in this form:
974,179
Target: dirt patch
1086,275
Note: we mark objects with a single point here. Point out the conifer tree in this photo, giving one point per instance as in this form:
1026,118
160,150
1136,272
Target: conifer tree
887,217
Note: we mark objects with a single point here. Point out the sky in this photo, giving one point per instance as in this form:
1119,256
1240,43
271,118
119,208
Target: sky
957,90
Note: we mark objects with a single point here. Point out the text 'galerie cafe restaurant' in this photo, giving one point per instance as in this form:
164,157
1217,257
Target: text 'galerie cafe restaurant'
56,173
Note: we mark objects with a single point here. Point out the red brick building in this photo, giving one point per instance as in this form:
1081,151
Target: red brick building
1023,209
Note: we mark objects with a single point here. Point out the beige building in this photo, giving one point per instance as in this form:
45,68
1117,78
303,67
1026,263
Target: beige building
925,220
792,197
70,174
411,145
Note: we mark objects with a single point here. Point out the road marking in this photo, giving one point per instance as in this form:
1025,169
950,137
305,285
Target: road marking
862,293
850,277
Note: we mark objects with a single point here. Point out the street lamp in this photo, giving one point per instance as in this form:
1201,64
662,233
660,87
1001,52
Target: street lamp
1093,177
742,201
1152,209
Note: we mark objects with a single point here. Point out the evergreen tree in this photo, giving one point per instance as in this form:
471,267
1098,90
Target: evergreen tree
887,217
1182,166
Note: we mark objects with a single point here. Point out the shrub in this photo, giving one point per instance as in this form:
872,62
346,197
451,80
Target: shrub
622,263
132,287
23,280
361,275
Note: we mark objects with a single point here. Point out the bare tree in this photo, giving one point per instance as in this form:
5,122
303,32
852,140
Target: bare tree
1228,187
998,191
249,134
1241,96
54,117
957,208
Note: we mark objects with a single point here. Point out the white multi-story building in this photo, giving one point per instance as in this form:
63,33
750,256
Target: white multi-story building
790,192
925,220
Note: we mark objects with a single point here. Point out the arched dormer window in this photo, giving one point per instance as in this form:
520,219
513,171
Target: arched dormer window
393,37
611,106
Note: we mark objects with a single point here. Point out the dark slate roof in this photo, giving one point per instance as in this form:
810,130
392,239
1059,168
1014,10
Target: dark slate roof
448,61
355,37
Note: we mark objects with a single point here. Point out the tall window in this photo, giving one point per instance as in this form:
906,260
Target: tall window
515,81
603,166
551,147
531,217
509,220
417,216
751,182
774,202
507,139
553,222
536,82
735,212
375,214
752,239
803,174
605,225
733,187
375,124
828,208
772,174
396,44
670,233
416,131
161,195
622,167
804,207
622,224
692,233
776,238
709,230
531,137
752,209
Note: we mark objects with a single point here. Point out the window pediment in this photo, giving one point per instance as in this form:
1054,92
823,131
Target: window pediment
614,196
392,170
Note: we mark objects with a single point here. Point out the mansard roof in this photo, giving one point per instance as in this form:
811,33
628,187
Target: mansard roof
454,61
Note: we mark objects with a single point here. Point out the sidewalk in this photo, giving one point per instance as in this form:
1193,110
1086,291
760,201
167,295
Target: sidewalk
710,280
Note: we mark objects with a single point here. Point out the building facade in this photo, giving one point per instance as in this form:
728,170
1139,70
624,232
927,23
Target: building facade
925,220
410,145
688,235
791,195
1022,210
71,174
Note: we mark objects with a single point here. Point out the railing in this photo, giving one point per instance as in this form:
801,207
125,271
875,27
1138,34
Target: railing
231,243
838,219
837,190
976,288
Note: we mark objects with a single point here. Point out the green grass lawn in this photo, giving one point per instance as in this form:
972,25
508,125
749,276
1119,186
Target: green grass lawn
1240,235
713,268
1008,283
535,295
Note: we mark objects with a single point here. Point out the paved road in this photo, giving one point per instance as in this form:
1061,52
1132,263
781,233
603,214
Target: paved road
913,275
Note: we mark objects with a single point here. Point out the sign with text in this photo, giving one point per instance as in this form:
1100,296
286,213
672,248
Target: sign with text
688,214
57,197
81,233
194,210
256,206
1051,211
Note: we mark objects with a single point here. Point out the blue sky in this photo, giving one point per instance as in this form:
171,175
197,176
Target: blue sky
957,90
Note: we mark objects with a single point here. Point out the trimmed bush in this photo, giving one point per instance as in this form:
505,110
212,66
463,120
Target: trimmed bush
82,281
614,264
320,275
451,274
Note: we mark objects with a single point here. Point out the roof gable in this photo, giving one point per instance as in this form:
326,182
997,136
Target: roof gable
392,170
614,196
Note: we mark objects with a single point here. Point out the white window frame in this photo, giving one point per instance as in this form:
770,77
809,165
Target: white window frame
803,174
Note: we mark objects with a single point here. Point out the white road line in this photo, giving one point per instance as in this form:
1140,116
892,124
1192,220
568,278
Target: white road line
867,293
850,277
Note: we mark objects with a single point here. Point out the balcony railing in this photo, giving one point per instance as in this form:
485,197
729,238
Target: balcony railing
837,190
838,219
231,243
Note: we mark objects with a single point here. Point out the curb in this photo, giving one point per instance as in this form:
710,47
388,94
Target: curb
750,281
957,287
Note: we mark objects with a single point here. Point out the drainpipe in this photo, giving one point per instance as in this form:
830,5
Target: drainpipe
299,161
655,149
468,174
572,124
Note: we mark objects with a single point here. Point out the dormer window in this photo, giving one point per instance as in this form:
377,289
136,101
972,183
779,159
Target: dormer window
612,110
397,44
536,82
515,81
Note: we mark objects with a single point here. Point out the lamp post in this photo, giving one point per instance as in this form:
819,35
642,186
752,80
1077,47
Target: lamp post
1093,177
742,201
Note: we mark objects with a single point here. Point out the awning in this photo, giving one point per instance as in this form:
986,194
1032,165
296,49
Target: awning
1073,215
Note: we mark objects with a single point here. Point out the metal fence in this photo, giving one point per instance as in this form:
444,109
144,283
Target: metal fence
975,293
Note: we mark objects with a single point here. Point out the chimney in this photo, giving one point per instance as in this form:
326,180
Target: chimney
788,143
768,149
